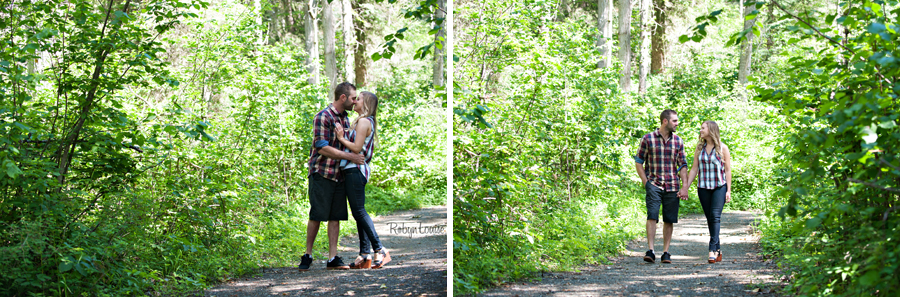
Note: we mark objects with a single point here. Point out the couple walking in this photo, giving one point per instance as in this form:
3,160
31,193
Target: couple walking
660,162
338,171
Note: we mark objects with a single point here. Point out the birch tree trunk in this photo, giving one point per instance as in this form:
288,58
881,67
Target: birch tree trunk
311,30
746,47
604,27
261,35
625,44
330,61
361,56
658,46
349,42
439,46
644,68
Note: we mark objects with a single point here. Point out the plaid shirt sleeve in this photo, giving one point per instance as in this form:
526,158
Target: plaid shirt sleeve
680,160
642,151
321,131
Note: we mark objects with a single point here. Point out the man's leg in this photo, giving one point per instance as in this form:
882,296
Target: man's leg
312,229
651,233
667,235
334,232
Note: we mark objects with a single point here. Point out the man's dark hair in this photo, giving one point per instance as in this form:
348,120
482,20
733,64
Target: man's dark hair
343,88
667,115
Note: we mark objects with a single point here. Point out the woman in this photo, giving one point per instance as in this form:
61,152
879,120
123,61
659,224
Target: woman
356,176
712,162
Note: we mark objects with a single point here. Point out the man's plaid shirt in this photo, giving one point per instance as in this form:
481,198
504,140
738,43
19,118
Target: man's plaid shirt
323,135
662,160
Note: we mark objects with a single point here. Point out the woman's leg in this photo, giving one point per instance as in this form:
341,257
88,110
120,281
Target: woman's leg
717,204
706,202
355,183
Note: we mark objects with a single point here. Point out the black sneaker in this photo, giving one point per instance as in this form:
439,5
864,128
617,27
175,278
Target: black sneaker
337,263
666,257
305,261
650,256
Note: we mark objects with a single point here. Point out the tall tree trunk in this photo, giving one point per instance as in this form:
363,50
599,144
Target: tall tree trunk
439,49
625,44
746,47
276,23
349,43
604,27
311,30
563,11
658,48
362,56
289,23
330,61
644,68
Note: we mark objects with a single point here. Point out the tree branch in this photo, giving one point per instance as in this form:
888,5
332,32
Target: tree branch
873,185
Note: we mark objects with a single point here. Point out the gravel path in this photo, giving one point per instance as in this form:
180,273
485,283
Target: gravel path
742,271
418,266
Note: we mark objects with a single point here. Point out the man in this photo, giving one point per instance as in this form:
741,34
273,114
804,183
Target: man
660,162
327,199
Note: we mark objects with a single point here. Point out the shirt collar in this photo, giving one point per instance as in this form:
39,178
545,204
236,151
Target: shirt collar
334,111
658,134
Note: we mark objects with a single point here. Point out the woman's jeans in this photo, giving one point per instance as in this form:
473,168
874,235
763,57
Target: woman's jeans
713,201
355,186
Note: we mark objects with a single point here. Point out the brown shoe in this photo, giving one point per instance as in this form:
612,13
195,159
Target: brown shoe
382,257
362,262
719,257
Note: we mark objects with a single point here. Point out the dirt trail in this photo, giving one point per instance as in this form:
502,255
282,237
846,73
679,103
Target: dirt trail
418,268
742,271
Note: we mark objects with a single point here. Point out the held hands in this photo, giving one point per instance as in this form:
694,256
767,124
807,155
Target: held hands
683,194
357,159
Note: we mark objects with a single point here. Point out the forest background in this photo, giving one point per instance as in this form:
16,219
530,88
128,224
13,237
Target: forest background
552,97
160,146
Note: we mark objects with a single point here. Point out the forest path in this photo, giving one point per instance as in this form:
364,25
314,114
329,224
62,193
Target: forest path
742,271
418,266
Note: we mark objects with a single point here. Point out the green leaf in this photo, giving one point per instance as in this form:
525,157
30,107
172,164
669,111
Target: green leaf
66,265
876,28
813,223
683,38
870,278
376,57
11,169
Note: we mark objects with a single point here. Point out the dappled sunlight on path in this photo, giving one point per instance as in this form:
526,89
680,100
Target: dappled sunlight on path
740,272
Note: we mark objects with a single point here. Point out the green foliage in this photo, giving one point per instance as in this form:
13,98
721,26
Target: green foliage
842,194
166,150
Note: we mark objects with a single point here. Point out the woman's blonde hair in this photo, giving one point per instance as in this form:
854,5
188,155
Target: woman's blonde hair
369,109
713,130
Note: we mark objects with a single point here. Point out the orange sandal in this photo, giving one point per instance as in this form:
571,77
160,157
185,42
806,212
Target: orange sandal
385,258
362,262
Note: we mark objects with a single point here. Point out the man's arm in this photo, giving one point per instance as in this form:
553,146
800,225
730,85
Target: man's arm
333,153
639,160
640,170
683,174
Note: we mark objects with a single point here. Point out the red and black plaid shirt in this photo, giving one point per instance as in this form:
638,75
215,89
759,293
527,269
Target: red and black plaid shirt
662,159
323,132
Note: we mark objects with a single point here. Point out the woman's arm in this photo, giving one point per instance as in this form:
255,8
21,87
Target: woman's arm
727,173
362,130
